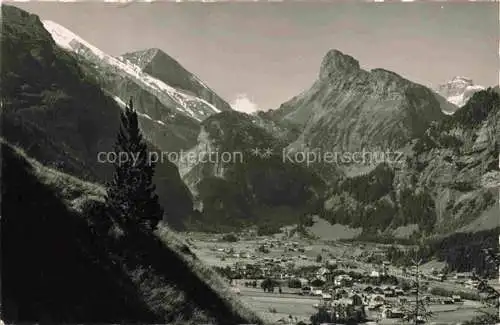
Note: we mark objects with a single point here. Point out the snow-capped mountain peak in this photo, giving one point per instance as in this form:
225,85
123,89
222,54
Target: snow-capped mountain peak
461,80
64,38
458,90
181,101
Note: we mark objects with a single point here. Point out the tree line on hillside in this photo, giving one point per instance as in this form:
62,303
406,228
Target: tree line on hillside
439,135
377,201
372,201
462,252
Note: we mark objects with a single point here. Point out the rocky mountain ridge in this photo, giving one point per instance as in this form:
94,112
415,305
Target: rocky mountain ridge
348,108
439,186
189,105
170,117
160,65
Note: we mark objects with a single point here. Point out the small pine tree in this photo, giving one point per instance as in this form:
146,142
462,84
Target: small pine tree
319,258
131,197
419,311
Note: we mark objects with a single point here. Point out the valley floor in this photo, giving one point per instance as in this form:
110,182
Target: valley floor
276,307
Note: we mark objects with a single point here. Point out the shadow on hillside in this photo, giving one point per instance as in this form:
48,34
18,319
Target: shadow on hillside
61,266
151,252
54,269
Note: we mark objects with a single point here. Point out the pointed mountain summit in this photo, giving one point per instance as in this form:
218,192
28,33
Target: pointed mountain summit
348,108
160,65
337,62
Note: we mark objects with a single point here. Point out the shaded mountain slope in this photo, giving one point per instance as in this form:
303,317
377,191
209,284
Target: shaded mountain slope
242,187
54,111
448,181
59,265
162,125
43,89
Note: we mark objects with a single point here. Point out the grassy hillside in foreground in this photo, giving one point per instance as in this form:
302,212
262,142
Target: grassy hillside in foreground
58,267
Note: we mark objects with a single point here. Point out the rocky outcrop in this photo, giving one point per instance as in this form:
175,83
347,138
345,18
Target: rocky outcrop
458,161
238,176
447,181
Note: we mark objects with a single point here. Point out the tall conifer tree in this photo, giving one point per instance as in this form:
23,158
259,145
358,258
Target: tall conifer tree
131,194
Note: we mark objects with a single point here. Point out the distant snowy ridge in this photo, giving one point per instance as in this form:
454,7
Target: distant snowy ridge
461,99
458,90
192,106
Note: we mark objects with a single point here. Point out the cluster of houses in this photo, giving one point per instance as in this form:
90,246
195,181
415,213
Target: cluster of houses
343,290
385,302
354,291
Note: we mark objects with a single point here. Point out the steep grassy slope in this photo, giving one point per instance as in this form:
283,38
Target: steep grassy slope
60,264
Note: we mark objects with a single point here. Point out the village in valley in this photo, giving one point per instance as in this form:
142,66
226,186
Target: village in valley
289,278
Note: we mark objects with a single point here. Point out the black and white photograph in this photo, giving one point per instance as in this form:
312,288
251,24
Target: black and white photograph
312,162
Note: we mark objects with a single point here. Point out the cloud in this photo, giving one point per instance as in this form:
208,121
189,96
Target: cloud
244,104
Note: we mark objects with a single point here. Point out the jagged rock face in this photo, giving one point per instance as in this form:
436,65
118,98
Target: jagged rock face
48,109
169,130
232,132
335,61
459,162
458,90
447,181
160,65
246,188
348,108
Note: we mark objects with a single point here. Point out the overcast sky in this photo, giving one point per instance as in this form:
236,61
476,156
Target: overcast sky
263,54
